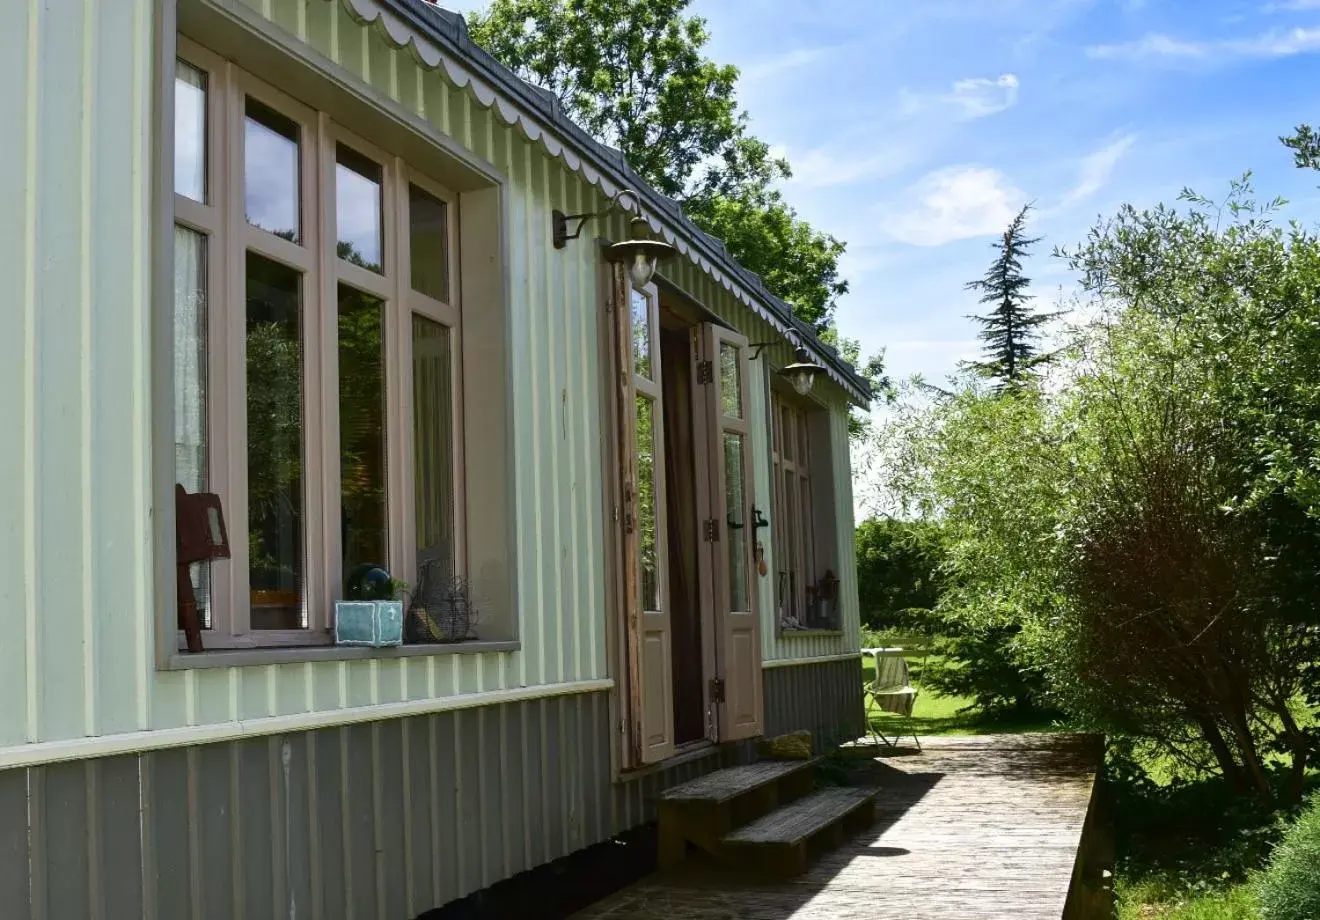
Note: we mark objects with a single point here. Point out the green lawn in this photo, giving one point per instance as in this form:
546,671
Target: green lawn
1153,900
935,714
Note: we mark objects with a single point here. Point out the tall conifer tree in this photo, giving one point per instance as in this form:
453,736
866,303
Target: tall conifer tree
1011,330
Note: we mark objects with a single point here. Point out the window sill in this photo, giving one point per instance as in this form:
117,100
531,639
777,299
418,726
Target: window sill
808,633
238,658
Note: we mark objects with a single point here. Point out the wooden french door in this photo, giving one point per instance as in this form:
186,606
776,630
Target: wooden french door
731,664
639,418
729,580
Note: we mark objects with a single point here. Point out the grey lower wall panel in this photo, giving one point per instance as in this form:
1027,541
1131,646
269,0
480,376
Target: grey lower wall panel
381,820
824,698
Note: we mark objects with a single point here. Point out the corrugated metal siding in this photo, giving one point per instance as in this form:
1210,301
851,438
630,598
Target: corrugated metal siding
383,821
74,374
824,698
73,474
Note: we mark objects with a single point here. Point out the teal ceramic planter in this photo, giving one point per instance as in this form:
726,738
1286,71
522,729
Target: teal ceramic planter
376,624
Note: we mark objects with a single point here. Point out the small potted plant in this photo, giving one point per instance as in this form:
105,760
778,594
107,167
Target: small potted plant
372,612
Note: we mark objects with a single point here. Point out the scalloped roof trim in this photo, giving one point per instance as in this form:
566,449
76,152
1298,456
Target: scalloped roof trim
415,26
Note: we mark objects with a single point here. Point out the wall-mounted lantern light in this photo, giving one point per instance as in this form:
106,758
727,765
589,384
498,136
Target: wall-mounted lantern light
640,252
803,371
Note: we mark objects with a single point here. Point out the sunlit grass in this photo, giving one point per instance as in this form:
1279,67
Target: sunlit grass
1152,899
935,714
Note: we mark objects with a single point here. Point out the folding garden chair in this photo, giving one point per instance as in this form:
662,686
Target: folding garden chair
891,691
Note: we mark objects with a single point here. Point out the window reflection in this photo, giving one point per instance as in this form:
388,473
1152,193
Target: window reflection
189,132
271,172
428,244
275,445
730,381
641,335
357,209
362,431
647,509
736,505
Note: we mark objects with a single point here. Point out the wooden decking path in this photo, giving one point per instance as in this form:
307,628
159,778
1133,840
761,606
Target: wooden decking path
978,828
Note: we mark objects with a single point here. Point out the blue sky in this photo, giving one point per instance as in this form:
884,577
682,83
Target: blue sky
916,129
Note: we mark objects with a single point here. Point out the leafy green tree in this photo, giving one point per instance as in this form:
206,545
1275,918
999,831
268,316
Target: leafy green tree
1305,145
1146,533
897,570
1011,330
634,74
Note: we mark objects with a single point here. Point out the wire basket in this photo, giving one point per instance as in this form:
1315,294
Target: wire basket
441,609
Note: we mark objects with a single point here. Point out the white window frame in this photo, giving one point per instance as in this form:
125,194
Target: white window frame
228,238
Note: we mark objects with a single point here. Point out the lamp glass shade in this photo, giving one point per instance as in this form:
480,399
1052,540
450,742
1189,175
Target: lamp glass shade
802,381
642,270
640,253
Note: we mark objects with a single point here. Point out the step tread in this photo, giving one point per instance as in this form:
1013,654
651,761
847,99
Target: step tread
798,820
731,782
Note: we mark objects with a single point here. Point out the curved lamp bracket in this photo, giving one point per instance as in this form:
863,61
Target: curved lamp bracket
561,221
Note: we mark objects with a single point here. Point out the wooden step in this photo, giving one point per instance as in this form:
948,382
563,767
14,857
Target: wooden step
724,785
703,810
784,840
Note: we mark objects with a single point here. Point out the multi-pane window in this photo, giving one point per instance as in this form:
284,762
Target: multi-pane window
794,518
316,341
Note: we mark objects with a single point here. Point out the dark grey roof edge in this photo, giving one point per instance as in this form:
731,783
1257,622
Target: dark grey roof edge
449,30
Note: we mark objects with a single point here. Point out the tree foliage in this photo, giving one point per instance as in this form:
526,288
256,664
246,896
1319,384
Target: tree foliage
1011,330
1290,887
898,574
635,75
1146,532
1305,145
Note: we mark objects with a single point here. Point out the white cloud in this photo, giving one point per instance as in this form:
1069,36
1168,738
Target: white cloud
822,167
1096,168
1272,44
974,97
773,67
955,203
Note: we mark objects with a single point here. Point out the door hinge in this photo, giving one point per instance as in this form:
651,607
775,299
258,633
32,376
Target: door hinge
711,530
705,371
717,690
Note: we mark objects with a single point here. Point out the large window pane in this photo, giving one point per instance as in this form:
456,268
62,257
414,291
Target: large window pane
641,335
730,381
189,131
357,209
428,244
275,445
362,433
191,466
647,507
735,506
270,171
433,442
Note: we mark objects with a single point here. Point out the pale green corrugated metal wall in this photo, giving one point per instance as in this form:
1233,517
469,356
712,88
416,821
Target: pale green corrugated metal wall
75,607
74,182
